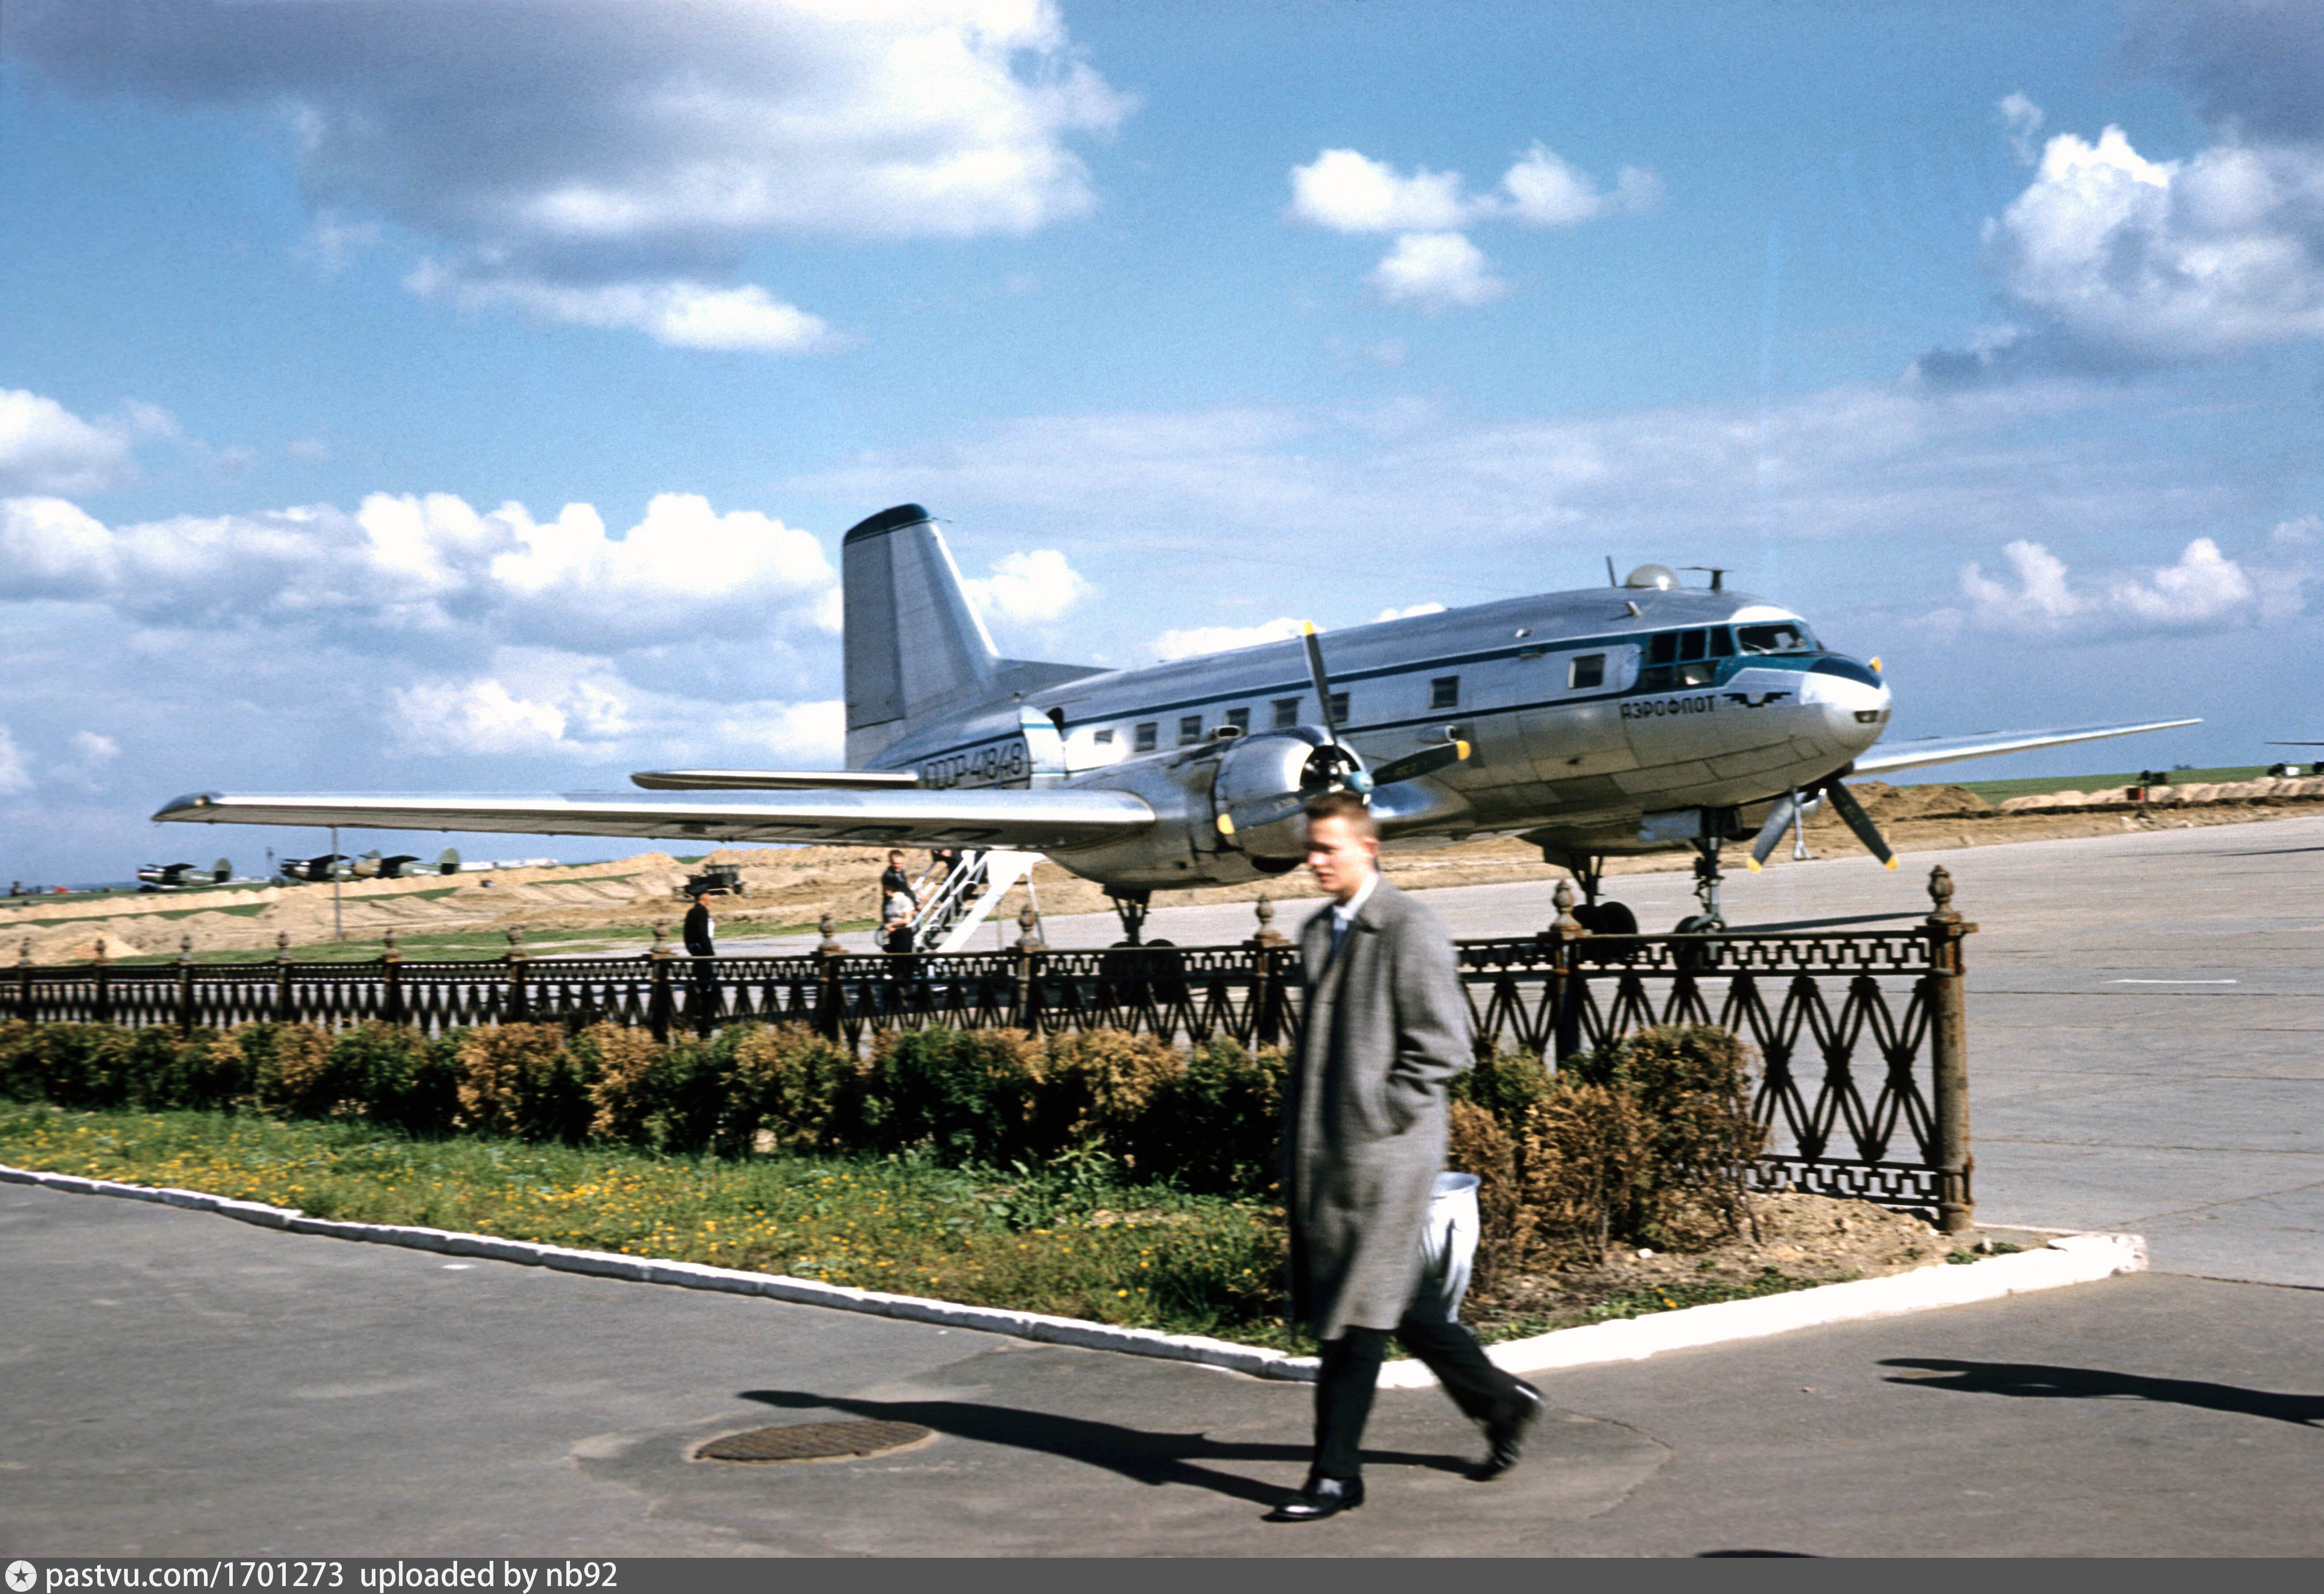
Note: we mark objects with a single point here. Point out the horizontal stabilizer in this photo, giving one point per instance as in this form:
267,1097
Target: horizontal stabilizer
1028,820
775,779
1915,755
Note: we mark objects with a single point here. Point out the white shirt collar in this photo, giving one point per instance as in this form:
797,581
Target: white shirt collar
1344,913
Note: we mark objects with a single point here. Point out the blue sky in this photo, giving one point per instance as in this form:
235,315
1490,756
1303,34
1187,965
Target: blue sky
1193,319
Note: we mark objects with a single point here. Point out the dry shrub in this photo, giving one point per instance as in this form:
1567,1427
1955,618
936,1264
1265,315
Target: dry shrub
622,1067
1694,1085
1584,1151
790,1083
1477,1144
1098,1091
293,1072
511,1078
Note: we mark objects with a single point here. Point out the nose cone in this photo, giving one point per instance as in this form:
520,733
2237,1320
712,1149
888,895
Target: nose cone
1854,701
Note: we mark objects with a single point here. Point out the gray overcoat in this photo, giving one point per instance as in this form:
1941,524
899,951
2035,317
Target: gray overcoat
1387,1026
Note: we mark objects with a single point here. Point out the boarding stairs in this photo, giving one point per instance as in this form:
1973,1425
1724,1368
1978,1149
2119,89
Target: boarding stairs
964,900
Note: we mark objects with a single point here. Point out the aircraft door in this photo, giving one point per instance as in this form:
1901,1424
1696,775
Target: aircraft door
1044,749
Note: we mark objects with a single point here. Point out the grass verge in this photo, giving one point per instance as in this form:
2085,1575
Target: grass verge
1066,1239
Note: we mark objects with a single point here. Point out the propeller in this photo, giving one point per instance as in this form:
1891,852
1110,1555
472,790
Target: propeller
1332,764
1843,802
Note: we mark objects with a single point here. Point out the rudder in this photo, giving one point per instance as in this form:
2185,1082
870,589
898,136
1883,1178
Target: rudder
912,644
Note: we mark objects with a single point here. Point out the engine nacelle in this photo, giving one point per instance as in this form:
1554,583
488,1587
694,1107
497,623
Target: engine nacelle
1188,788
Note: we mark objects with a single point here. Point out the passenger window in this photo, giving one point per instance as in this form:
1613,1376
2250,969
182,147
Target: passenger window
1690,646
1190,729
1662,649
1103,739
1239,718
1339,709
1722,646
1586,670
1445,692
1287,713
1146,738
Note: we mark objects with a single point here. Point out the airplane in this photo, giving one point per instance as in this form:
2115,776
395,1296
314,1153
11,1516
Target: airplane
1632,718
173,877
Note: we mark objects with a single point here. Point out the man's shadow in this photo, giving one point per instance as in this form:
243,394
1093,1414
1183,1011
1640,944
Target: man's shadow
2025,1379
1134,1454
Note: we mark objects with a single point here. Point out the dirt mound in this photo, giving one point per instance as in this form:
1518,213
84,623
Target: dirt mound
1884,802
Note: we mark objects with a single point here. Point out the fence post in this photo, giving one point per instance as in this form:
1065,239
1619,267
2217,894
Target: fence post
1266,977
658,992
1565,990
518,1007
185,984
1028,947
102,1003
1948,1040
391,965
829,999
282,976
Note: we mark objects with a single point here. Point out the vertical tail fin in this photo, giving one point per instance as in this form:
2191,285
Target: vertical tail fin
912,643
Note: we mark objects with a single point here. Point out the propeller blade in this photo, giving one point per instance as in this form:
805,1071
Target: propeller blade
1323,680
1778,821
1858,820
1265,811
1415,764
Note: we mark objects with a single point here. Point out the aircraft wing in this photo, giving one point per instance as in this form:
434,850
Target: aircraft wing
775,779
1029,821
1915,755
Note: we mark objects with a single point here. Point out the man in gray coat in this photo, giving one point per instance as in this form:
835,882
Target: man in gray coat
1387,1028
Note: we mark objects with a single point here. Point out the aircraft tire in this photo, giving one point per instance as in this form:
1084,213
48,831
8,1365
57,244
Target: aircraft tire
1615,919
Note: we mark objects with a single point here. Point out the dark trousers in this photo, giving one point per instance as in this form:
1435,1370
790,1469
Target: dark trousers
1350,1376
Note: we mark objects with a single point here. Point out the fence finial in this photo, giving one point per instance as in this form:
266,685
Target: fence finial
660,948
516,944
282,947
24,953
1940,893
185,948
1268,935
1026,920
830,928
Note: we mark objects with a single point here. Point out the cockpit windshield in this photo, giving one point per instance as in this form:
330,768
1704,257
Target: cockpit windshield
1787,636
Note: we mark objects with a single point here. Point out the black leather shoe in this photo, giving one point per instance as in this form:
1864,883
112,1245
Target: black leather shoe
1505,1434
1323,1496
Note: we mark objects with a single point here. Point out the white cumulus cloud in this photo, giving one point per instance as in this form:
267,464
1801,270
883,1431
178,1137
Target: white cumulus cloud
1408,610
45,447
2204,589
1435,271
610,163
1433,266
1219,639
15,769
1035,586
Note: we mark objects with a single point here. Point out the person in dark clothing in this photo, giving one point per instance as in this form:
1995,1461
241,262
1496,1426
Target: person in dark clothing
895,880
698,927
1364,1124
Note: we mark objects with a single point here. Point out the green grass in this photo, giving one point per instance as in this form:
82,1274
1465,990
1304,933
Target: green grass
1997,791
1068,1238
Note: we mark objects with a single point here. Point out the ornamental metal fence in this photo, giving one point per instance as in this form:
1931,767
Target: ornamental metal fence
1862,1034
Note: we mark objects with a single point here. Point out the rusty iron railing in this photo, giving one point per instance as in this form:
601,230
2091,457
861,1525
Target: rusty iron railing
1862,1034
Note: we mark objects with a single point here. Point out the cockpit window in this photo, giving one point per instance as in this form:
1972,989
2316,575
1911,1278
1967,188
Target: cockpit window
1783,636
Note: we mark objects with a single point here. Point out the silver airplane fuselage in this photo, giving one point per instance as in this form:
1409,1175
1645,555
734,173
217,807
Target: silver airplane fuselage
1605,720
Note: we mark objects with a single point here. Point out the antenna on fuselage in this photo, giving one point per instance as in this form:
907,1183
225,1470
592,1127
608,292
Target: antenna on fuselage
1611,581
1718,574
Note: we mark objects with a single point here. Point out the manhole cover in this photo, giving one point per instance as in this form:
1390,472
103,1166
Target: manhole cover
814,1442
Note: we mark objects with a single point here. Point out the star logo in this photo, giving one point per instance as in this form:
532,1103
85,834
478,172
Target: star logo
20,1576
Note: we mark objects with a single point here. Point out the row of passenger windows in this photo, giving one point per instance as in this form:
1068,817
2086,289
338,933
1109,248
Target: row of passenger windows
1673,659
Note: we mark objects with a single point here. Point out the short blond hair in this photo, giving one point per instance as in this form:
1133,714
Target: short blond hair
1347,806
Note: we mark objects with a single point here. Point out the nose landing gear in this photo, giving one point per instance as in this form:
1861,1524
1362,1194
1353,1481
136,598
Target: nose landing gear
1707,878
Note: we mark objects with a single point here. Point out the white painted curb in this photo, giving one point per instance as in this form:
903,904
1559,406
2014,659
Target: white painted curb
2074,1258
